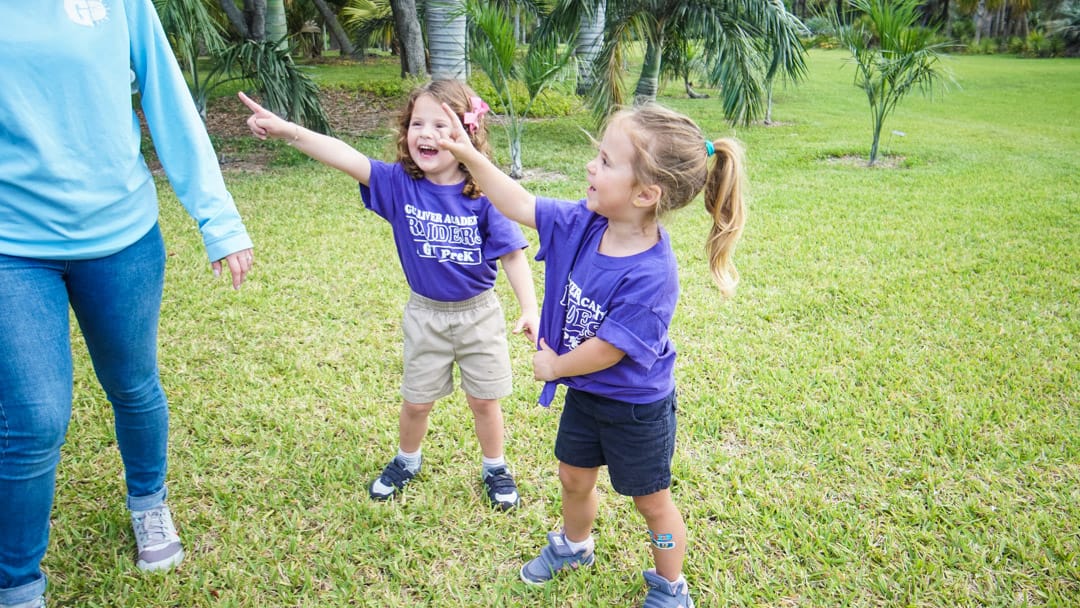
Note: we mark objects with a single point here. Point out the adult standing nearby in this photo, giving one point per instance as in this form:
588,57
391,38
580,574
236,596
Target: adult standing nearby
78,228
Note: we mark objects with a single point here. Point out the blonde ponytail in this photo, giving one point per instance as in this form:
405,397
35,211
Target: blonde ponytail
724,202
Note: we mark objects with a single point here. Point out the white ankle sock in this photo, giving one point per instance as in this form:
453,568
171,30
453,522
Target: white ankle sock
411,459
489,464
586,545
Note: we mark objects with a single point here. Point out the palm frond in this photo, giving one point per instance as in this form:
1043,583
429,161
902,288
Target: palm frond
285,88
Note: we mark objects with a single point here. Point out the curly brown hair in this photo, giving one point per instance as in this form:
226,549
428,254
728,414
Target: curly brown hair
458,96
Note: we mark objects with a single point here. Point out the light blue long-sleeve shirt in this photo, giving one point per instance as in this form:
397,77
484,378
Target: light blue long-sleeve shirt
73,183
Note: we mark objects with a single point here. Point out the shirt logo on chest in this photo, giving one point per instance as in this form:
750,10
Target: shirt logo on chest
583,315
86,12
447,238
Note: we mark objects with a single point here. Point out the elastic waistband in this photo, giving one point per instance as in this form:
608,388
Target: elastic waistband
478,301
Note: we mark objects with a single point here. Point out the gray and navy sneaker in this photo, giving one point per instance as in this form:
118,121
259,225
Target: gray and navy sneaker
393,478
664,593
555,557
501,489
155,535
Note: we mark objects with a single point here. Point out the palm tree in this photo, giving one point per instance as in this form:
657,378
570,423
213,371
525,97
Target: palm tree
329,18
269,66
446,31
284,88
277,28
892,56
589,43
238,19
494,49
733,32
389,23
1067,25
410,37
190,28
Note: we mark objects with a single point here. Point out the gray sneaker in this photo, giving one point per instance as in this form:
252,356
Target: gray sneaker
553,558
664,593
157,540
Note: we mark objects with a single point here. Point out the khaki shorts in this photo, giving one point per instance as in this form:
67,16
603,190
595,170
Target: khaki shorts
471,333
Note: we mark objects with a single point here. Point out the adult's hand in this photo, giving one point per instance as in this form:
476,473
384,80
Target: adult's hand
239,264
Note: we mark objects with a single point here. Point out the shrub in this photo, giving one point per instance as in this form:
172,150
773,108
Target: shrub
1038,45
1017,45
550,103
819,24
986,46
388,88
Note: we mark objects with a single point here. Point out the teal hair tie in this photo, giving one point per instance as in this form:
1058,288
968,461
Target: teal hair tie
709,150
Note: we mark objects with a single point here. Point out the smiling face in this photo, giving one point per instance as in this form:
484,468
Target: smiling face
427,124
612,181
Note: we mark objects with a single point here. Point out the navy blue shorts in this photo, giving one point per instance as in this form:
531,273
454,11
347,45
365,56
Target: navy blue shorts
635,441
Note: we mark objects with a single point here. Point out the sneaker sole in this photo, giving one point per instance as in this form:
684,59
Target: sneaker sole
381,498
505,506
528,581
164,564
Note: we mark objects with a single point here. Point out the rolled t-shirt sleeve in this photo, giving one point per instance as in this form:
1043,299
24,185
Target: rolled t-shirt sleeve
636,330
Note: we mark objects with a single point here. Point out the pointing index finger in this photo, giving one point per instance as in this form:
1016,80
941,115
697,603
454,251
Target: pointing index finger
453,117
250,103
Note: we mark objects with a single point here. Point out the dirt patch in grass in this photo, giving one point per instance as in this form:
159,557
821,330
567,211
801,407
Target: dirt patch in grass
349,113
882,162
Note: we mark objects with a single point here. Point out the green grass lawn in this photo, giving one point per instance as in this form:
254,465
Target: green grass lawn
886,414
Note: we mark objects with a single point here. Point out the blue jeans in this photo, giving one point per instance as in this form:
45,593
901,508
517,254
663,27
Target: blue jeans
116,300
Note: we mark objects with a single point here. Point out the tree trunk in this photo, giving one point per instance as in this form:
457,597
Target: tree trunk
336,31
518,37
649,81
255,17
874,145
446,39
690,92
236,18
768,101
410,37
516,170
590,41
277,29
980,20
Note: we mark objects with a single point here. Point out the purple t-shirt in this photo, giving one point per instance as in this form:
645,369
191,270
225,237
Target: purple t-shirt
448,244
625,301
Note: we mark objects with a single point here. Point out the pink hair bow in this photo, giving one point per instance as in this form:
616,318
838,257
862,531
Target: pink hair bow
472,119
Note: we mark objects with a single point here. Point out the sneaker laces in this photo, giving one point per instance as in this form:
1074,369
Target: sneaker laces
153,528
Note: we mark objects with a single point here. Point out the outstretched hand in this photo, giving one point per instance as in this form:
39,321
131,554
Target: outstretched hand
264,123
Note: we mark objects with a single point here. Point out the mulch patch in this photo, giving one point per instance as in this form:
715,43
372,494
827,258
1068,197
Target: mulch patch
350,113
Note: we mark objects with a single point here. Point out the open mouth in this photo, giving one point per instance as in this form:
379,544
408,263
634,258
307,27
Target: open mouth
427,151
